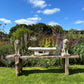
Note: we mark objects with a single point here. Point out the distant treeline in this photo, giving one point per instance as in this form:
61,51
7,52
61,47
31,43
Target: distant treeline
41,29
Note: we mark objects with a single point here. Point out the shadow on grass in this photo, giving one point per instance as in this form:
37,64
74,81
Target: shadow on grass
75,71
71,71
27,72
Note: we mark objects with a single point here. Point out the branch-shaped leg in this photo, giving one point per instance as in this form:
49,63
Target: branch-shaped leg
17,65
66,66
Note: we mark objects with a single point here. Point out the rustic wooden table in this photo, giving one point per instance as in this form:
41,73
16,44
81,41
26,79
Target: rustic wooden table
18,61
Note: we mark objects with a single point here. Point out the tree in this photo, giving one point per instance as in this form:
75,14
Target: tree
13,29
42,29
39,28
73,31
57,29
20,33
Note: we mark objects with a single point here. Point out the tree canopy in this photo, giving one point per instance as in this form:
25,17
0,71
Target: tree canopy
58,29
20,32
39,29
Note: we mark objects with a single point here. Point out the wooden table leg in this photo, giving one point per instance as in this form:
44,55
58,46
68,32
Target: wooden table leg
17,65
66,66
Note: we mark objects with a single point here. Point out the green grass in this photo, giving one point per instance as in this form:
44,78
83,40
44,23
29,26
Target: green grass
40,75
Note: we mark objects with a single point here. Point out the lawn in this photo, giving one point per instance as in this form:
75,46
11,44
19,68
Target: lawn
41,75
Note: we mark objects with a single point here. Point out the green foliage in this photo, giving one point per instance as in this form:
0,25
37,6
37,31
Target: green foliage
42,62
20,32
25,50
48,41
41,43
13,29
45,43
41,28
57,29
78,50
6,48
72,35
38,29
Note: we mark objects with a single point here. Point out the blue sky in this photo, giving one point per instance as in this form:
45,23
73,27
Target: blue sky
67,13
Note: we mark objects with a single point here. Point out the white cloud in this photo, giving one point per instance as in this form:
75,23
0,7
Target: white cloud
49,11
5,20
28,20
82,9
79,22
39,11
38,3
80,29
53,23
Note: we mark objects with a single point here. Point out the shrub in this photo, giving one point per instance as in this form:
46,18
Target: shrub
6,48
42,62
45,42
78,50
20,32
73,36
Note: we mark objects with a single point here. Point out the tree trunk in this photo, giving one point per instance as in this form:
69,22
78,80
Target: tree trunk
25,38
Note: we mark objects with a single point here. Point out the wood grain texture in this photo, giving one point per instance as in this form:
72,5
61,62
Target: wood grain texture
33,56
55,56
66,66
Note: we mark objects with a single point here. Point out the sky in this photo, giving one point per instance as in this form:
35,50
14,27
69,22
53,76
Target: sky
66,13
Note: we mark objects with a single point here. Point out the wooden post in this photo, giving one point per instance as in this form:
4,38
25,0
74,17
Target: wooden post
18,65
66,66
